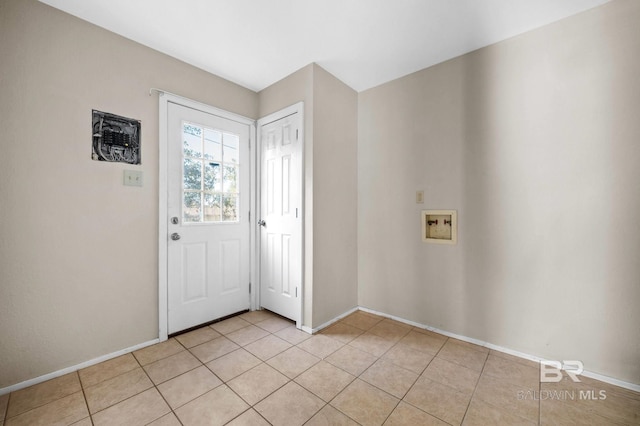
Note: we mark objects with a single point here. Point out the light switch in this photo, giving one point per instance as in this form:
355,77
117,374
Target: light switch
419,197
133,178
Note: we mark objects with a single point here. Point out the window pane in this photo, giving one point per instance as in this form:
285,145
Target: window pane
230,149
230,179
212,145
192,174
191,207
192,136
230,208
212,177
212,209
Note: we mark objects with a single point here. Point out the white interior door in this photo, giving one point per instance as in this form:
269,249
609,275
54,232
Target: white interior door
208,200
281,215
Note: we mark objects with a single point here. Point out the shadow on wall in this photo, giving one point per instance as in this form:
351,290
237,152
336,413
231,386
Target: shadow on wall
548,156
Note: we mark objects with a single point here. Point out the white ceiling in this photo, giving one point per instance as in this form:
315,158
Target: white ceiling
364,43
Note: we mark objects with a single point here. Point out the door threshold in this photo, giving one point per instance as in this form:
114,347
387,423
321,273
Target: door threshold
205,324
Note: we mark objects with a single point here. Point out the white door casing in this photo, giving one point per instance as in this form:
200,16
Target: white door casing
281,212
209,268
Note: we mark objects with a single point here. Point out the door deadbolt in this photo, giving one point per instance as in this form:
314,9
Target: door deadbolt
174,220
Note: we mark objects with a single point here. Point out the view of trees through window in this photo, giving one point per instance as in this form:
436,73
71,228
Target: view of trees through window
210,175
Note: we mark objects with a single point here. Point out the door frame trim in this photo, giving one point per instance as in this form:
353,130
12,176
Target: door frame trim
163,226
285,112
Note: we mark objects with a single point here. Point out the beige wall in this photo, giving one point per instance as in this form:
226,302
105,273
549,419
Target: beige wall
535,142
330,109
78,253
335,194
79,249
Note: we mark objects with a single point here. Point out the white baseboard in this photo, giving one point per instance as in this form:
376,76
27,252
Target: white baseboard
76,367
590,374
611,381
334,320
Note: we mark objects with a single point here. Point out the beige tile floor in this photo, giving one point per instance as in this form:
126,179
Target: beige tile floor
257,369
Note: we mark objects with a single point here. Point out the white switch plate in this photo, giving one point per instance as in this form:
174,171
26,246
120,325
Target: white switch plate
419,197
133,178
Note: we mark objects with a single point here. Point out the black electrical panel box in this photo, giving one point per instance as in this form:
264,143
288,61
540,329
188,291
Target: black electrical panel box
115,138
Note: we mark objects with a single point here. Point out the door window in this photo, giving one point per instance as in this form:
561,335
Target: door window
210,183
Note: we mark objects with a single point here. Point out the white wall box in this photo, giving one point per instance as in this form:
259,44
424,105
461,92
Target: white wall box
440,226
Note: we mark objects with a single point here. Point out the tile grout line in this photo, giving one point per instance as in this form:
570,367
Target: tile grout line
289,380
84,396
517,413
6,411
105,408
292,380
251,406
132,396
539,392
378,358
225,383
417,378
420,375
6,415
202,364
475,388
156,386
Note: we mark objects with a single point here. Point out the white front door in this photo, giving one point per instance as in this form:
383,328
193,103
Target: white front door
281,215
208,174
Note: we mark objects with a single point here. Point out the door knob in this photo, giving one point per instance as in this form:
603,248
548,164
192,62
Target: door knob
175,236
262,223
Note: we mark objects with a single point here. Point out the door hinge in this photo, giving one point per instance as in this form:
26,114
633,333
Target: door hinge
296,134
249,288
249,216
296,291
